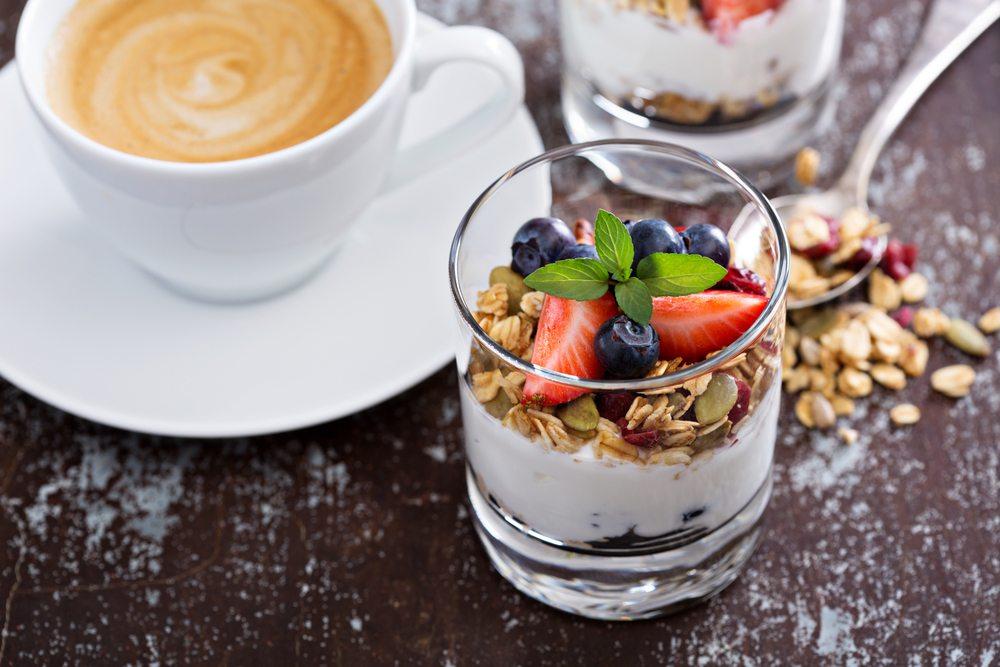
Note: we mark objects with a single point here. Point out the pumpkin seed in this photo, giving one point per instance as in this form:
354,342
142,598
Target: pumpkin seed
717,400
967,338
515,286
499,405
580,414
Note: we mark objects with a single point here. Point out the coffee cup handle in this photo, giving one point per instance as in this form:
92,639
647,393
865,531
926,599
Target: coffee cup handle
460,44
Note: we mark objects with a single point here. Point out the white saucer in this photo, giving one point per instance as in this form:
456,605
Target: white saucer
84,330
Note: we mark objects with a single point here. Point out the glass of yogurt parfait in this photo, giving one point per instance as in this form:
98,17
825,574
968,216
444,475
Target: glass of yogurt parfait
619,436
746,81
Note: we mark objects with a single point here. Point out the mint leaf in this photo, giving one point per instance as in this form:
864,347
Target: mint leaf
577,279
614,245
669,274
634,300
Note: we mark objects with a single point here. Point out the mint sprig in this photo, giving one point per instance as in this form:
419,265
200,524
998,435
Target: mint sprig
659,274
677,275
614,245
577,279
634,299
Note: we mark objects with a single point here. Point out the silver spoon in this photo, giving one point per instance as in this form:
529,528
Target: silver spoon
950,27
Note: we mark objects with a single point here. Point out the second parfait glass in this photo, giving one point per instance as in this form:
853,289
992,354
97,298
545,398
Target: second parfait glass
748,83
591,520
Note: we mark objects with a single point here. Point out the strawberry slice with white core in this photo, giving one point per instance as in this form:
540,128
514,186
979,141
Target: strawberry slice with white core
564,342
692,327
724,15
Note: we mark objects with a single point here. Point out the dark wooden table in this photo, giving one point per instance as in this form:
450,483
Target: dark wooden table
350,543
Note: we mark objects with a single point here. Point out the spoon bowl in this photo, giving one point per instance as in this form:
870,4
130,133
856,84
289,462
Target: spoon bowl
831,203
950,28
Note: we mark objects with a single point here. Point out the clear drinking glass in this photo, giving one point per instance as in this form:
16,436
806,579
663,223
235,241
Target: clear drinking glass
750,92
590,522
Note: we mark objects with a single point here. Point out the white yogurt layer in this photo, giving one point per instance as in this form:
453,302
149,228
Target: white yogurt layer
622,51
576,497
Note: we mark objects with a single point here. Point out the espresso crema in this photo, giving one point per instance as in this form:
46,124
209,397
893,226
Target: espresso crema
213,80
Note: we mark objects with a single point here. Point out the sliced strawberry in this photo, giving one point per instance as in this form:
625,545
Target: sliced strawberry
725,15
693,326
564,342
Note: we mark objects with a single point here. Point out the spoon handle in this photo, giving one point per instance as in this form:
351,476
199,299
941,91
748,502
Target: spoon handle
950,27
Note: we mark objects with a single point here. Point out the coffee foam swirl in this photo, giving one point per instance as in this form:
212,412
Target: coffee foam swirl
211,80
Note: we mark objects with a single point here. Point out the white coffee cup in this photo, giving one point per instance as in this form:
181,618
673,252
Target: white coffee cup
249,228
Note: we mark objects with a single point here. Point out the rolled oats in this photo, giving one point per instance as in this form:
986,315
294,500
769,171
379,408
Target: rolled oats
856,343
493,301
486,385
883,291
680,109
854,222
511,385
889,376
801,270
619,449
672,457
879,229
768,97
531,304
796,380
514,333
854,383
810,351
929,322
848,435
807,166
811,287
821,411
990,321
677,10
888,351
954,381
698,385
914,288
904,414
807,230
842,406
518,420
913,357
803,410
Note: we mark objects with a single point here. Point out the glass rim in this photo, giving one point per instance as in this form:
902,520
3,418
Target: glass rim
730,352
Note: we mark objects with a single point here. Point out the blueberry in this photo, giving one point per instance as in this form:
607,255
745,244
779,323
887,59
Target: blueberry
649,236
579,251
707,241
538,242
626,348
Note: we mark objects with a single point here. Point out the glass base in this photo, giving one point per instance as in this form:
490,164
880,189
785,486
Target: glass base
620,588
763,150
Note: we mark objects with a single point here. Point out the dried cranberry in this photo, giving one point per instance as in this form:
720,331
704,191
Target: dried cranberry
743,280
864,253
898,270
642,438
903,316
742,405
910,252
613,406
827,247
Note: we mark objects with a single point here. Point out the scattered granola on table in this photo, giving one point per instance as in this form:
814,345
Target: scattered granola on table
807,166
827,252
842,352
